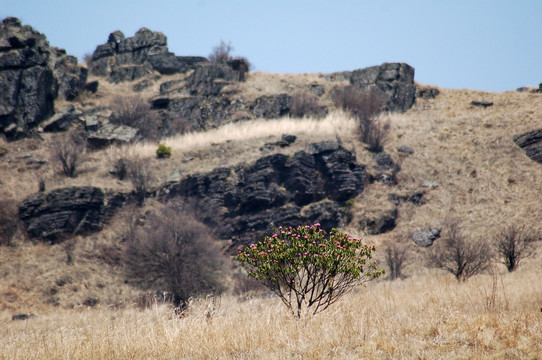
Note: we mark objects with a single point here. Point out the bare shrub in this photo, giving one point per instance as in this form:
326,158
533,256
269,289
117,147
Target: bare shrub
68,152
304,104
221,53
119,161
134,111
10,222
141,177
396,254
514,243
365,104
457,254
175,253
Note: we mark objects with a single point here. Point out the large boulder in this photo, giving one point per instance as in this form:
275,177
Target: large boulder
63,213
531,142
394,80
249,200
109,134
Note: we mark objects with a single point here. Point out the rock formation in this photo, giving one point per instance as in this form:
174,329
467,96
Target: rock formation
531,142
244,202
32,75
63,212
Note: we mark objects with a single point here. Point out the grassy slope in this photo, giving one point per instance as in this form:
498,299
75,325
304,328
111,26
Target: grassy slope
483,178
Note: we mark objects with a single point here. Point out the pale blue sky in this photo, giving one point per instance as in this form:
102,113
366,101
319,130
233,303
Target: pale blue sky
492,45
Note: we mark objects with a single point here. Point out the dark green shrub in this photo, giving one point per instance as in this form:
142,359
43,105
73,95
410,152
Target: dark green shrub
163,151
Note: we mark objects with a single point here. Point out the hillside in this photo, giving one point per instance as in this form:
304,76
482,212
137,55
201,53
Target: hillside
460,162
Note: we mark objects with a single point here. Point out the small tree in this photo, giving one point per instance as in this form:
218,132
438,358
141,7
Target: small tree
365,104
307,269
455,253
141,177
68,152
395,256
173,252
221,53
515,243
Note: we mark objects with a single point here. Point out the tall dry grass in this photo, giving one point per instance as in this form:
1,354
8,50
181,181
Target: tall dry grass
433,317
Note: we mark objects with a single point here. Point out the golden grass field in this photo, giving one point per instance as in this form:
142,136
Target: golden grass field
483,178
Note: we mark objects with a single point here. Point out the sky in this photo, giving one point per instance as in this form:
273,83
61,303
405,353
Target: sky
489,45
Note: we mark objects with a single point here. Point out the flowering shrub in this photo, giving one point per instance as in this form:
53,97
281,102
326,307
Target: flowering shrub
308,269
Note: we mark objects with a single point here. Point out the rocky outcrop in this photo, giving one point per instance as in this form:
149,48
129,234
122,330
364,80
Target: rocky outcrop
394,80
127,59
244,202
272,106
62,120
32,75
531,142
70,77
63,213
27,82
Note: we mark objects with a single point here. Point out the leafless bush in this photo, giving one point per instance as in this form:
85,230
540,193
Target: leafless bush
304,104
119,159
396,255
9,223
68,152
134,111
175,253
221,53
457,254
514,243
365,104
141,177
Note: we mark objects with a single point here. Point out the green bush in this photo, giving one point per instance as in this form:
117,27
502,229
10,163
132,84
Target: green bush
308,269
163,151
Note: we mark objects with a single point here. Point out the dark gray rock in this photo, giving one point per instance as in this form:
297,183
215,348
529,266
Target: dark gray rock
405,149
63,213
427,93
317,89
394,80
92,86
272,106
322,147
129,72
209,79
32,74
240,67
531,142
70,77
380,221
17,317
426,237
481,103
166,63
62,120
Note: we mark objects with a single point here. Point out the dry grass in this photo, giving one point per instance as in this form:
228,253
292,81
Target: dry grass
420,318
483,178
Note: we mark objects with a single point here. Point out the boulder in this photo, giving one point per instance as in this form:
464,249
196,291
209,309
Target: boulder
531,142
271,106
395,81
63,213
380,220
62,120
427,93
109,134
426,237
